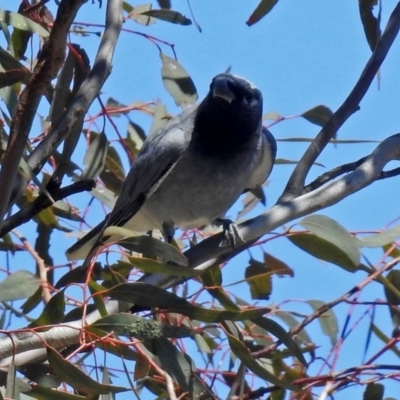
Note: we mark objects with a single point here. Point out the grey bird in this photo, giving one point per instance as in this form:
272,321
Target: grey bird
189,172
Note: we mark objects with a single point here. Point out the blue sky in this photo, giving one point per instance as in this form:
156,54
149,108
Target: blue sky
302,54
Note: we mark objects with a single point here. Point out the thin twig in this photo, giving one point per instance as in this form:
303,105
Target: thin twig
46,295
49,62
42,202
296,182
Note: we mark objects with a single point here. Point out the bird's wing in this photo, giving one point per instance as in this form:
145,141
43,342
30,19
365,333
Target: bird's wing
158,156
262,171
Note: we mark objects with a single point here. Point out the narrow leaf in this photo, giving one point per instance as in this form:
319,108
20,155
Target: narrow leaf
318,115
177,81
323,250
329,230
75,377
169,16
380,239
327,320
19,285
151,296
370,23
19,21
261,11
95,157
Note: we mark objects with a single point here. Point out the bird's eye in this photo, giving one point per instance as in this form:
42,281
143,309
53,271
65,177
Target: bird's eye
249,98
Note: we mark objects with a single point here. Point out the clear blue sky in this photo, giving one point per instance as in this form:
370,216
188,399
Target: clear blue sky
304,53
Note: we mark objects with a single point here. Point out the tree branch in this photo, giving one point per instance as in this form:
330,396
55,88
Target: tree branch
296,182
49,62
74,116
42,202
209,252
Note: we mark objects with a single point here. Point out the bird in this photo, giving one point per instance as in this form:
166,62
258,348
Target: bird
190,171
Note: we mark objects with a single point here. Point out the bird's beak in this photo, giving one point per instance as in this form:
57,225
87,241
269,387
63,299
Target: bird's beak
222,91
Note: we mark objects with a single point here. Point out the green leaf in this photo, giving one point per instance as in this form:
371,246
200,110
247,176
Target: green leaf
135,137
292,322
19,285
177,81
273,327
394,278
148,246
240,350
76,378
19,21
261,11
380,239
141,328
168,16
95,157
43,393
151,296
160,117
327,320
136,14
53,313
329,230
374,391
318,115
370,23
9,96
150,266
113,173
181,369
323,250
258,275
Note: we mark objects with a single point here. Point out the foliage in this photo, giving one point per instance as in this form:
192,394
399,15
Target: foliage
93,321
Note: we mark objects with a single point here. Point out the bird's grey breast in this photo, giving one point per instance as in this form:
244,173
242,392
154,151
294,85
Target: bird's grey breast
200,188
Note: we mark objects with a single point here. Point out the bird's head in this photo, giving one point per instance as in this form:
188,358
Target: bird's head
232,109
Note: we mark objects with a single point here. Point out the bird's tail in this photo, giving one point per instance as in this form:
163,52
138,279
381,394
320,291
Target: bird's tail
81,249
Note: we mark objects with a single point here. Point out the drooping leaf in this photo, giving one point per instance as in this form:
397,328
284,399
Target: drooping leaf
261,11
151,296
327,320
136,14
76,378
181,369
95,157
177,81
374,391
380,239
168,16
19,285
275,329
160,117
323,250
331,231
318,115
19,21
53,312
258,275
135,137
240,350
371,24
113,173
43,393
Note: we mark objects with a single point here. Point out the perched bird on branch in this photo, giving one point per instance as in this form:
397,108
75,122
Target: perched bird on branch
190,171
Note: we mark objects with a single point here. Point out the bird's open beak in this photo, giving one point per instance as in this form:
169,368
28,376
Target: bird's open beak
222,91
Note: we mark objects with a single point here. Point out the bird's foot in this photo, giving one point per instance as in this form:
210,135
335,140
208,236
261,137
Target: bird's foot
232,236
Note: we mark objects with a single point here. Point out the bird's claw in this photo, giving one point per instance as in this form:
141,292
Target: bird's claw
232,236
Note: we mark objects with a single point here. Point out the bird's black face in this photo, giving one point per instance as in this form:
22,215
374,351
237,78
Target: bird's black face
230,115
235,94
